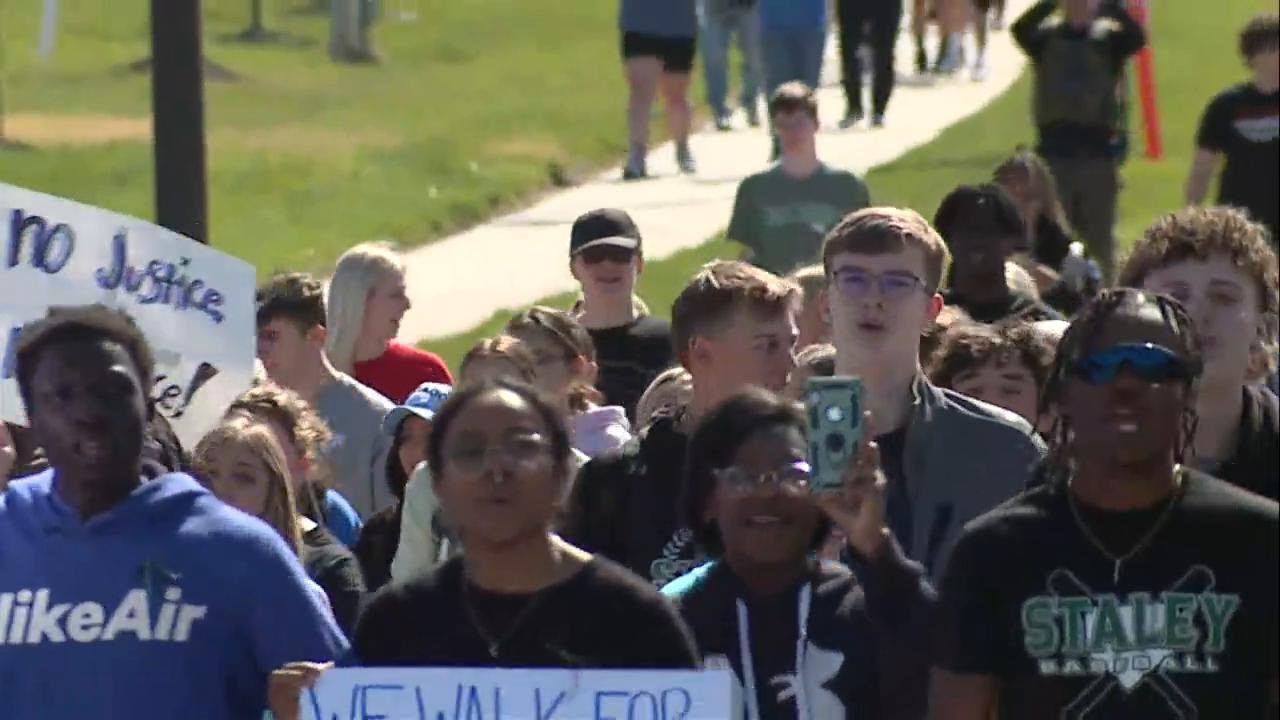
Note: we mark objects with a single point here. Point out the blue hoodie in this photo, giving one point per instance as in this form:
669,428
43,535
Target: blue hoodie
169,605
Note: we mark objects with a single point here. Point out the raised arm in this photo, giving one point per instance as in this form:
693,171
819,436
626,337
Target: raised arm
1131,37
1026,29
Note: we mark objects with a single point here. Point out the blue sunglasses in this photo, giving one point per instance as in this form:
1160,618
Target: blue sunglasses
1150,362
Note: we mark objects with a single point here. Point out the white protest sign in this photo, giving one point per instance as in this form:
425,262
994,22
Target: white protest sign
518,694
195,304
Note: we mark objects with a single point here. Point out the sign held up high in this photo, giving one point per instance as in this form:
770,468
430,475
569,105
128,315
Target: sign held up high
194,304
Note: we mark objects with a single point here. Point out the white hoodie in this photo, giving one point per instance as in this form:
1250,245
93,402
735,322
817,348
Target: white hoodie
597,430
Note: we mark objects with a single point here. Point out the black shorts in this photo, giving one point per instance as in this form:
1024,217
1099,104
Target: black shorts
676,53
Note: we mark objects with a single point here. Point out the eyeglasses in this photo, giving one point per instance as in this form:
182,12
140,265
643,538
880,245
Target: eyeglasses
893,285
1150,362
597,254
789,477
520,452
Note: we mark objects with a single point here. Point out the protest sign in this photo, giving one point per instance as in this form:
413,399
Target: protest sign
194,304
521,694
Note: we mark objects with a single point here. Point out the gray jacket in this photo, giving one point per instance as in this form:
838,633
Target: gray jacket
961,458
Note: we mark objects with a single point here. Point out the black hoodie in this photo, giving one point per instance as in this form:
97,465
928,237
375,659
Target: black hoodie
625,504
864,650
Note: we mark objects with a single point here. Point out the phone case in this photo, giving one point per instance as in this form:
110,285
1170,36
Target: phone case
834,410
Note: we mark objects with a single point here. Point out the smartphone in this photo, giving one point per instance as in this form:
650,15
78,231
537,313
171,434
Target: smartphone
834,409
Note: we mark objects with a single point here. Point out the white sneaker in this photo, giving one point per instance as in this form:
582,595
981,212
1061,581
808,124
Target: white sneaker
979,72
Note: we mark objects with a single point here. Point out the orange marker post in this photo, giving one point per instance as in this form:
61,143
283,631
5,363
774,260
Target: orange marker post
1147,84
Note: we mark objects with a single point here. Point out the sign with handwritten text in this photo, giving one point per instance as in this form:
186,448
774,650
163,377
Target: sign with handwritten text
519,694
194,304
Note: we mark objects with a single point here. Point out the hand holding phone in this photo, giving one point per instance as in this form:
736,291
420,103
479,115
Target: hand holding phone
847,479
833,407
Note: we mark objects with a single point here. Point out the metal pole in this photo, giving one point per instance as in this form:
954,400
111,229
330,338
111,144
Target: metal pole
177,111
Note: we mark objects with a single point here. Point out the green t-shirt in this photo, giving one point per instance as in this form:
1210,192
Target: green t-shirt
783,219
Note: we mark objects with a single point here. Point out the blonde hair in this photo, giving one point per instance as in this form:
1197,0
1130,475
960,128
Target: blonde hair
812,280
254,435
672,388
358,271
718,292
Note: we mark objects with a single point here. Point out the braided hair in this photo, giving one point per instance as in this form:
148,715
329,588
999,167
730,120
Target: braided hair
1057,466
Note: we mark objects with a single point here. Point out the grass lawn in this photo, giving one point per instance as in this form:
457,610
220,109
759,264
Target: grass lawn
479,104
1195,57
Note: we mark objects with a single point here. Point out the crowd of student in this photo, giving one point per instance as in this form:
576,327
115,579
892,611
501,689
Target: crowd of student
1065,505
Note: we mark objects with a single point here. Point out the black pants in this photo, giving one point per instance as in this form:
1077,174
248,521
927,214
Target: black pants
879,20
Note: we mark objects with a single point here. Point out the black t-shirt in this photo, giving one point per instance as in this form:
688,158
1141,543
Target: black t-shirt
601,617
1243,124
1189,627
1016,306
335,569
1255,463
630,357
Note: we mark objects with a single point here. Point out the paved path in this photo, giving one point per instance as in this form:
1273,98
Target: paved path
457,282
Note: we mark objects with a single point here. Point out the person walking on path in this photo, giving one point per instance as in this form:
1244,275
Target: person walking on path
658,40
879,19
1241,125
793,35
1078,60
720,21
780,215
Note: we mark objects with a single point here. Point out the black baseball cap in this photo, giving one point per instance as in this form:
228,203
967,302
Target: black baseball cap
606,226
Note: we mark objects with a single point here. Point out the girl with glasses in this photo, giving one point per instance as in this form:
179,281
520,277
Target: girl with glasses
805,638
520,596
425,539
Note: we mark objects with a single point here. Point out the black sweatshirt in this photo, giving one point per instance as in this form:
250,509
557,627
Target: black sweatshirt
601,617
625,505
867,650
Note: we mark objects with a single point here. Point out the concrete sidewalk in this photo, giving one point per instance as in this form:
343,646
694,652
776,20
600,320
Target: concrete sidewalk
457,282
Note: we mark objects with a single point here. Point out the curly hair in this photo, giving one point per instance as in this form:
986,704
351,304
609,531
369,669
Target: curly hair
1075,342
963,348
1199,233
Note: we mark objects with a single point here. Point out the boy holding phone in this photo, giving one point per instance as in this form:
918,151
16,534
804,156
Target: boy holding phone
948,458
